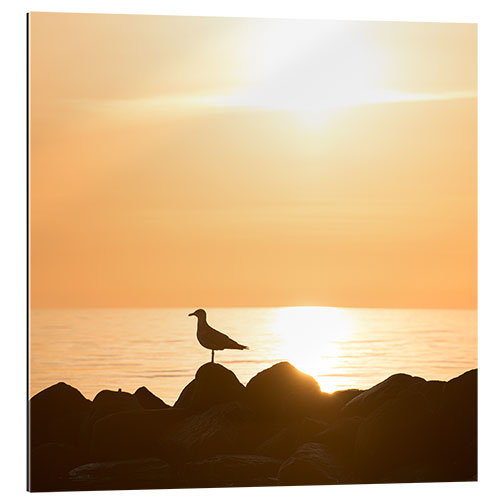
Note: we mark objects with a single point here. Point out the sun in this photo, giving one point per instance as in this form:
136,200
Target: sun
309,69
310,339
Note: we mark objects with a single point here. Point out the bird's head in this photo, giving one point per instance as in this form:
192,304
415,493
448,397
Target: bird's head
199,313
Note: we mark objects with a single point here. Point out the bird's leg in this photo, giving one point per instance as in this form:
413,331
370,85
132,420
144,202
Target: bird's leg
212,355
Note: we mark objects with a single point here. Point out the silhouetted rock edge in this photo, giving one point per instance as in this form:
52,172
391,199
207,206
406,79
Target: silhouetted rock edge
279,429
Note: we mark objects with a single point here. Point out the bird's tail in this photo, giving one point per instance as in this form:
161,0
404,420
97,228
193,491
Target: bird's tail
232,344
240,346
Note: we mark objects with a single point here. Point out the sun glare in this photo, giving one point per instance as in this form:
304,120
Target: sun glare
310,68
310,338
311,72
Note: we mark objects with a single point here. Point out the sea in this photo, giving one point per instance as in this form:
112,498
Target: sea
341,348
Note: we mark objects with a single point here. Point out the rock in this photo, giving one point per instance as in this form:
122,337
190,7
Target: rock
340,440
220,433
282,393
401,431
213,384
341,435
430,471
459,406
307,428
140,474
458,421
56,414
283,443
310,464
223,429
136,434
148,400
460,463
232,470
332,404
421,472
432,390
106,403
280,445
49,465
368,401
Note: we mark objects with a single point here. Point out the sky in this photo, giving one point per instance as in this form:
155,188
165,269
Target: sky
240,162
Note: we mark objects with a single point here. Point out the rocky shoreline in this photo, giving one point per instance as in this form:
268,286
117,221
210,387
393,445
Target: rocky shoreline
279,429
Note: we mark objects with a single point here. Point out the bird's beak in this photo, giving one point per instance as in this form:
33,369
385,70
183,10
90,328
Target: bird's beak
191,314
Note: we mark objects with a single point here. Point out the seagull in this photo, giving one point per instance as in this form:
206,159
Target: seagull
210,338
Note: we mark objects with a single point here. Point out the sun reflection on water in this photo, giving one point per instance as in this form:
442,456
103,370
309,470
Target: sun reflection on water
311,338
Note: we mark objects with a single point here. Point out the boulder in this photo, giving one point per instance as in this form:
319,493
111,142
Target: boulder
56,413
280,429
371,399
332,404
310,464
432,390
459,407
280,445
231,470
284,442
136,434
213,384
148,400
283,393
223,429
142,474
403,430
340,436
458,426
430,471
49,465
106,403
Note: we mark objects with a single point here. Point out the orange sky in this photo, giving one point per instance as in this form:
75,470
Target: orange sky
222,162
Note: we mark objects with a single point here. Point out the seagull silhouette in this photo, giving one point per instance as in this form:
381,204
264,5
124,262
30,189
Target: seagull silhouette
210,338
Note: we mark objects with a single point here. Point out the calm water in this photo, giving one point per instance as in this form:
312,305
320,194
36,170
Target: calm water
341,348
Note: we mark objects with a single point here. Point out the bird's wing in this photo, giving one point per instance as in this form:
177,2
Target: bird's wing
222,340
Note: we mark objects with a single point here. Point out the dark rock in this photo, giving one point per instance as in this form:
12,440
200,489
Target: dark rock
371,399
458,420
148,473
213,384
421,472
49,464
56,414
280,445
106,403
459,406
430,471
148,400
220,433
284,443
307,428
432,390
341,435
332,404
223,429
340,439
402,430
232,470
310,464
459,463
283,393
136,434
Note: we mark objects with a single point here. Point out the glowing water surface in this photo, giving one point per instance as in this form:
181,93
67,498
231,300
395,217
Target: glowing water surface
341,347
